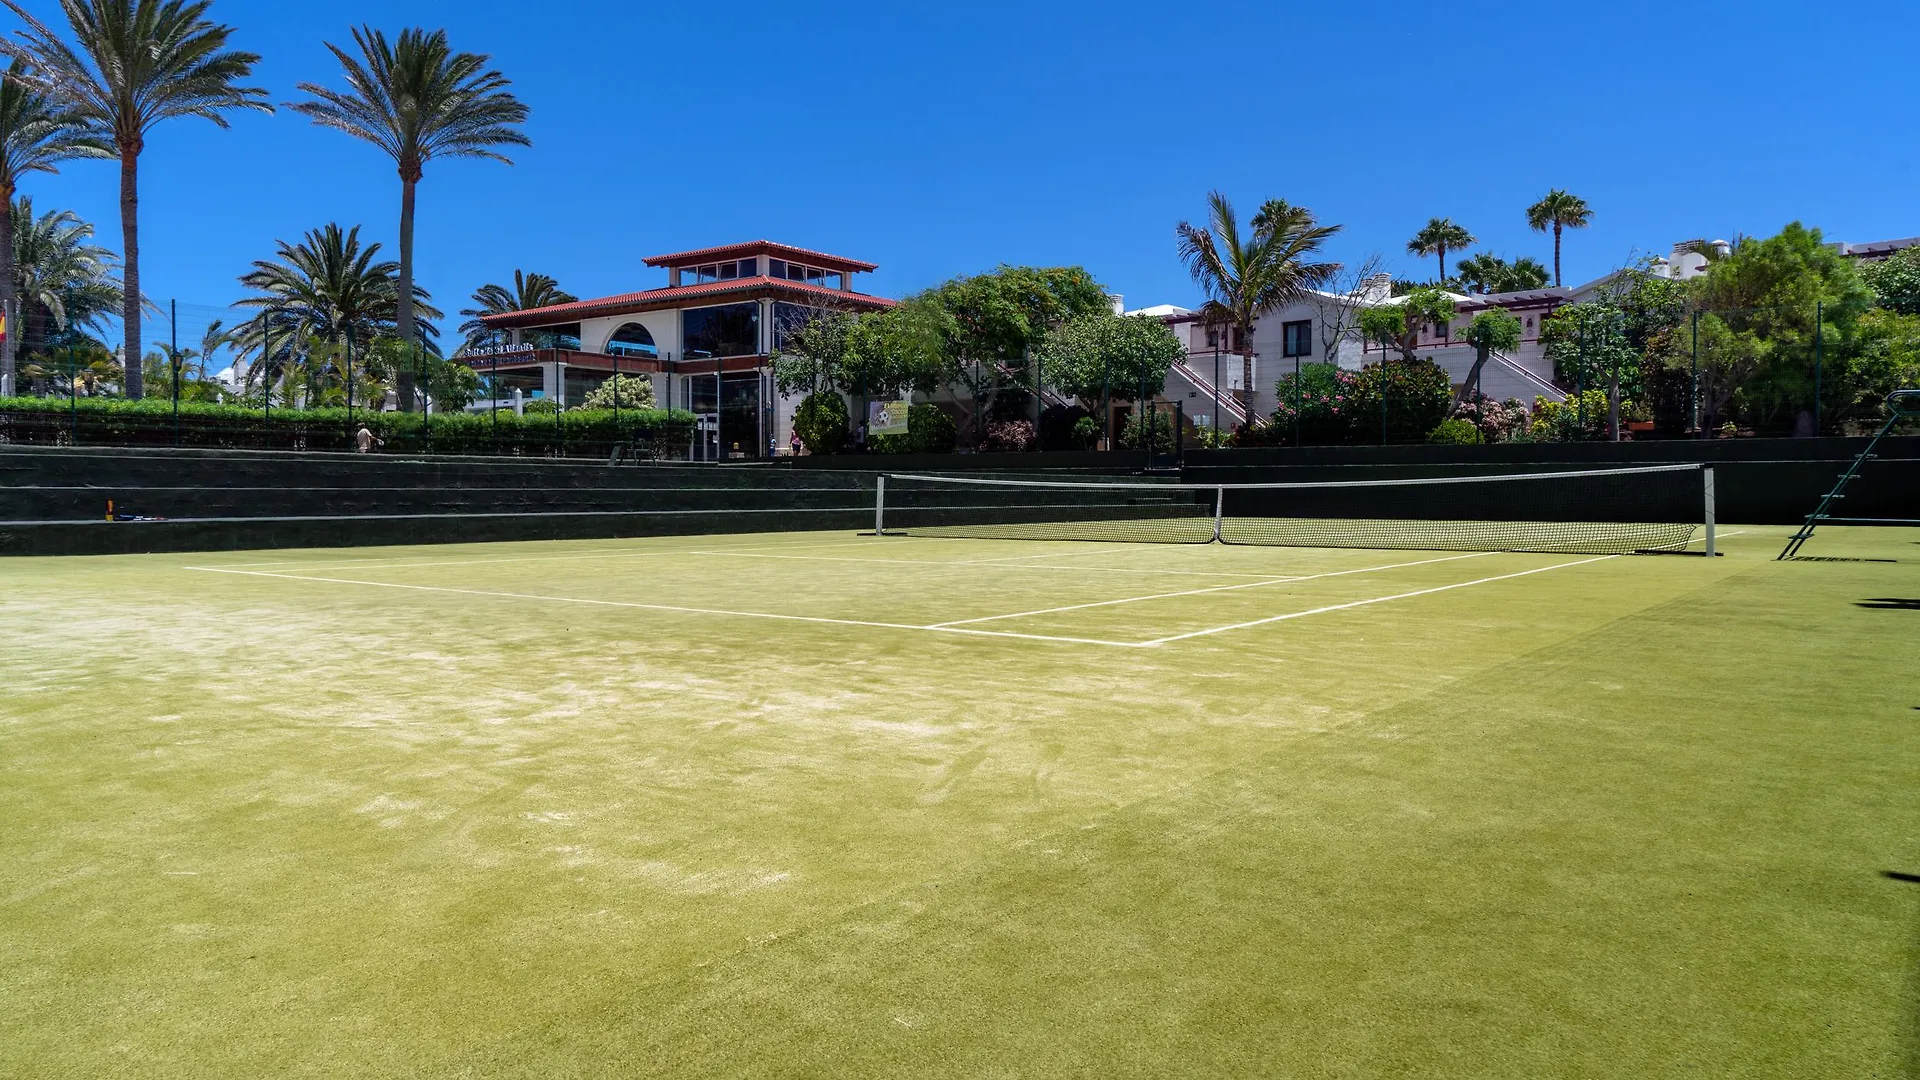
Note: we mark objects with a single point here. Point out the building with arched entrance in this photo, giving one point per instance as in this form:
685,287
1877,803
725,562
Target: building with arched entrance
704,339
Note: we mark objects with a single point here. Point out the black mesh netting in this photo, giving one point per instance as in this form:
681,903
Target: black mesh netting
1596,511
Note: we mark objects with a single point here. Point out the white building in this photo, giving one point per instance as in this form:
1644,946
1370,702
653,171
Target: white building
705,340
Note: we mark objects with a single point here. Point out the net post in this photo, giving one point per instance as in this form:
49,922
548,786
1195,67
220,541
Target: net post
1219,505
1706,486
880,505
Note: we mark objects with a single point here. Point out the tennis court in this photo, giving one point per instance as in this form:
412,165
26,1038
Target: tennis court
834,804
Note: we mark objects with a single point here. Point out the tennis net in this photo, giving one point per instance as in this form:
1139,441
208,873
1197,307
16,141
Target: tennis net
1592,511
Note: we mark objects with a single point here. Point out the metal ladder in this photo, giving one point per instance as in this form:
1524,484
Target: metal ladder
1901,405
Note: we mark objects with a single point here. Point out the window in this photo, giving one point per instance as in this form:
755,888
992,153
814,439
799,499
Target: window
1439,331
632,340
788,318
1213,338
727,330
1296,338
776,268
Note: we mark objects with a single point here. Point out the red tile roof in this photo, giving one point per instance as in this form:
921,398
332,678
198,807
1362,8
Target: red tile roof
762,247
654,299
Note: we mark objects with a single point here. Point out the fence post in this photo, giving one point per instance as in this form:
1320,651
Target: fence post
1693,394
1819,317
173,318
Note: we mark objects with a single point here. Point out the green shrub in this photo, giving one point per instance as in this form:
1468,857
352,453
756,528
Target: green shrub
151,422
821,422
1134,435
1455,432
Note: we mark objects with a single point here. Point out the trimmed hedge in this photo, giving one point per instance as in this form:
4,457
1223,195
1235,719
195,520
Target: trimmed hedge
151,422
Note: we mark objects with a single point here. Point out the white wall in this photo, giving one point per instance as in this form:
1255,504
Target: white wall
663,325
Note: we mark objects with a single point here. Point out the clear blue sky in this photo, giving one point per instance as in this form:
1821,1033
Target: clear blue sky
938,140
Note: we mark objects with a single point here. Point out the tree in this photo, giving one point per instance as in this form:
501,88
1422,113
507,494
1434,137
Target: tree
1108,353
1491,331
328,287
417,100
1340,303
1896,281
1557,211
1243,275
138,62
1397,324
987,323
1763,308
65,283
1489,273
1437,237
529,291
813,355
36,134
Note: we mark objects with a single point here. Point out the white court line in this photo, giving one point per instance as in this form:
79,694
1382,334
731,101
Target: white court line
589,553
1156,642
983,562
1212,589
667,607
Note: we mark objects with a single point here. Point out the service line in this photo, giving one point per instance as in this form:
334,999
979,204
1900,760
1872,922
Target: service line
1214,589
677,609
1156,642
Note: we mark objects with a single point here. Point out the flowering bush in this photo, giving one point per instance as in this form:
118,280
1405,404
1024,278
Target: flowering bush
1009,436
1497,421
1337,406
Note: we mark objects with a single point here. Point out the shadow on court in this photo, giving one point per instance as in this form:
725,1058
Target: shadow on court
1890,603
1910,1023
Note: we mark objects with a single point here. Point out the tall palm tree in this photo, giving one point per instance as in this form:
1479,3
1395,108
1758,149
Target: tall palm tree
529,291
36,134
137,62
1439,236
1489,273
1557,211
327,288
1243,275
418,100
61,278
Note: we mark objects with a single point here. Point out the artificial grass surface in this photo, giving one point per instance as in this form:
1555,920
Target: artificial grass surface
1630,817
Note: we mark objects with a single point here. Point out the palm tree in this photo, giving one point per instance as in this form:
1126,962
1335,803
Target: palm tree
1483,273
1489,273
1440,236
328,288
60,276
417,99
138,62
529,291
1559,210
1245,275
36,134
